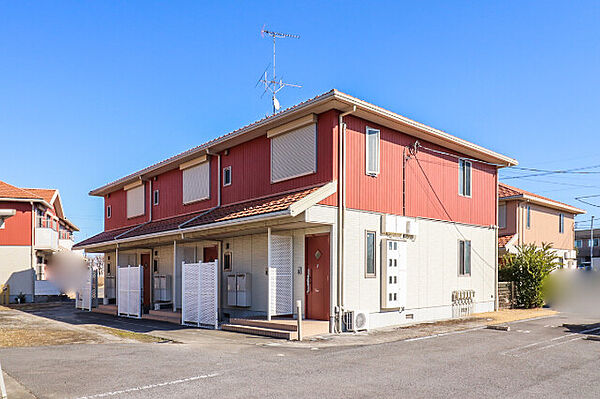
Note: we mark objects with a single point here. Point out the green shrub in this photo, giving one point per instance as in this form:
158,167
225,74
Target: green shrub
528,270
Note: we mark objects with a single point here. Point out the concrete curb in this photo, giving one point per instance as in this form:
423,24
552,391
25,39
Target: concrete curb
498,327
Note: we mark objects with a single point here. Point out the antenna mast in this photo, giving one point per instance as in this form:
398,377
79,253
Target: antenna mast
273,83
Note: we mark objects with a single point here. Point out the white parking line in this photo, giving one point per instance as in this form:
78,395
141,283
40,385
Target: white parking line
443,334
145,387
553,343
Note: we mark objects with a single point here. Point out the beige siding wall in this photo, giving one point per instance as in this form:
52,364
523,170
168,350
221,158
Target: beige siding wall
15,269
511,219
544,227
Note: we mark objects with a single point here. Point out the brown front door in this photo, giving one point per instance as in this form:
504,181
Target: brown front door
316,283
210,254
145,261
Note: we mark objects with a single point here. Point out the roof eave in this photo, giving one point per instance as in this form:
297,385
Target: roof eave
548,203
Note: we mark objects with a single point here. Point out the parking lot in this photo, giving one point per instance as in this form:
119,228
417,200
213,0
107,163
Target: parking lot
536,358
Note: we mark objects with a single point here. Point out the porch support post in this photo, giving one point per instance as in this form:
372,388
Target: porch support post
268,273
117,278
174,278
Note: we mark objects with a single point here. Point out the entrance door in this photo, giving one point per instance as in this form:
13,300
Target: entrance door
316,284
145,261
210,254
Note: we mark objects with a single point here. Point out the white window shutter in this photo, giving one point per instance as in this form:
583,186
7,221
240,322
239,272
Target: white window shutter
135,201
294,154
196,183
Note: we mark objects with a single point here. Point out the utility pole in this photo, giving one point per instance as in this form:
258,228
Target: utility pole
592,244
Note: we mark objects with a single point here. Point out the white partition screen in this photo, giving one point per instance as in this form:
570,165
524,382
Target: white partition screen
199,286
130,291
280,275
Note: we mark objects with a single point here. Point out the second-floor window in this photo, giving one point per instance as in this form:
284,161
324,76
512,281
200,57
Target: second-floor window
135,201
196,183
294,153
561,223
372,151
502,216
108,211
464,177
227,176
528,216
155,197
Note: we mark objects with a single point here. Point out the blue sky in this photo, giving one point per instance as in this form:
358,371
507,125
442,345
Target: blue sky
92,91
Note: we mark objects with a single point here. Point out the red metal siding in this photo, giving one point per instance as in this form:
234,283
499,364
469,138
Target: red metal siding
384,192
251,165
17,228
118,202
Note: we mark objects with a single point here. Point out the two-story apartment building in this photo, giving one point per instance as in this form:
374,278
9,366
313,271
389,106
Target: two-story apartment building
360,209
587,244
528,218
32,227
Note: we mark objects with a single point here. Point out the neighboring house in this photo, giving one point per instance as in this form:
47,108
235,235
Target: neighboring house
32,227
527,218
395,225
584,244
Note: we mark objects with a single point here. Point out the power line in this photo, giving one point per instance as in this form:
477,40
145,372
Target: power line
581,199
544,172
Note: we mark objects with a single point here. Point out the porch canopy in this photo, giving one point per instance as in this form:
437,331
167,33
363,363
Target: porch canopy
283,210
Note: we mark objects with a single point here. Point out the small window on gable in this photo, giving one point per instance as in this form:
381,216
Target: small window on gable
135,201
155,197
372,151
1,224
108,211
561,223
528,217
464,177
227,176
294,153
196,183
464,258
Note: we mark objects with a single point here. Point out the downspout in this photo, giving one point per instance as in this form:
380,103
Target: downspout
496,303
404,181
32,251
341,214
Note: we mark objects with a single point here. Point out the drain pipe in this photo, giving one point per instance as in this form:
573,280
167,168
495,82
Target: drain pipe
341,215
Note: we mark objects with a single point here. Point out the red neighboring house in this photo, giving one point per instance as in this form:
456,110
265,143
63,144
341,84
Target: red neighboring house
391,218
32,227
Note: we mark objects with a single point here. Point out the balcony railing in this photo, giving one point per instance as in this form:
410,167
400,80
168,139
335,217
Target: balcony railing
46,238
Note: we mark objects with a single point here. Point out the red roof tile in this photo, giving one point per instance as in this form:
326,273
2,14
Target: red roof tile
45,193
504,191
503,240
256,207
10,191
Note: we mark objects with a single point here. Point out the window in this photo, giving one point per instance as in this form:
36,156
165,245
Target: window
108,212
502,216
227,261
155,197
578,243
464,255
294,154
196,183
595,242
1,223
372,151
464,177
561,223
528,222
135,201
227,176
370,254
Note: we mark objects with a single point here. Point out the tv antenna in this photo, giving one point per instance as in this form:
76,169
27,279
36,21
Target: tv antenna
273,83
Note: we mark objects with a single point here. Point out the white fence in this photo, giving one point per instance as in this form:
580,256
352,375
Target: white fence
200,289
129,294
280,276
86,297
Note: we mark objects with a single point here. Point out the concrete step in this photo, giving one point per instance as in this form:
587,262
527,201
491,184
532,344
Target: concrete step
264,324
163,316
265,332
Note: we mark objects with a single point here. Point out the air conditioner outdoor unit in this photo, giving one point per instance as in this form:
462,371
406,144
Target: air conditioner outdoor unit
356,321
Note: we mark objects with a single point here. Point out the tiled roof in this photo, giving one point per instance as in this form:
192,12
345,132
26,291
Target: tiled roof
45,193
504,191
256,207
10,191
503,240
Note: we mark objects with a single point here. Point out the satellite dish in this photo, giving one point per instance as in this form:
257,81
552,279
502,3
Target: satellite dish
276,104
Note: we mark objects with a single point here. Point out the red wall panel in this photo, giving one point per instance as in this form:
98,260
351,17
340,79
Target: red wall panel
17,228
384,192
